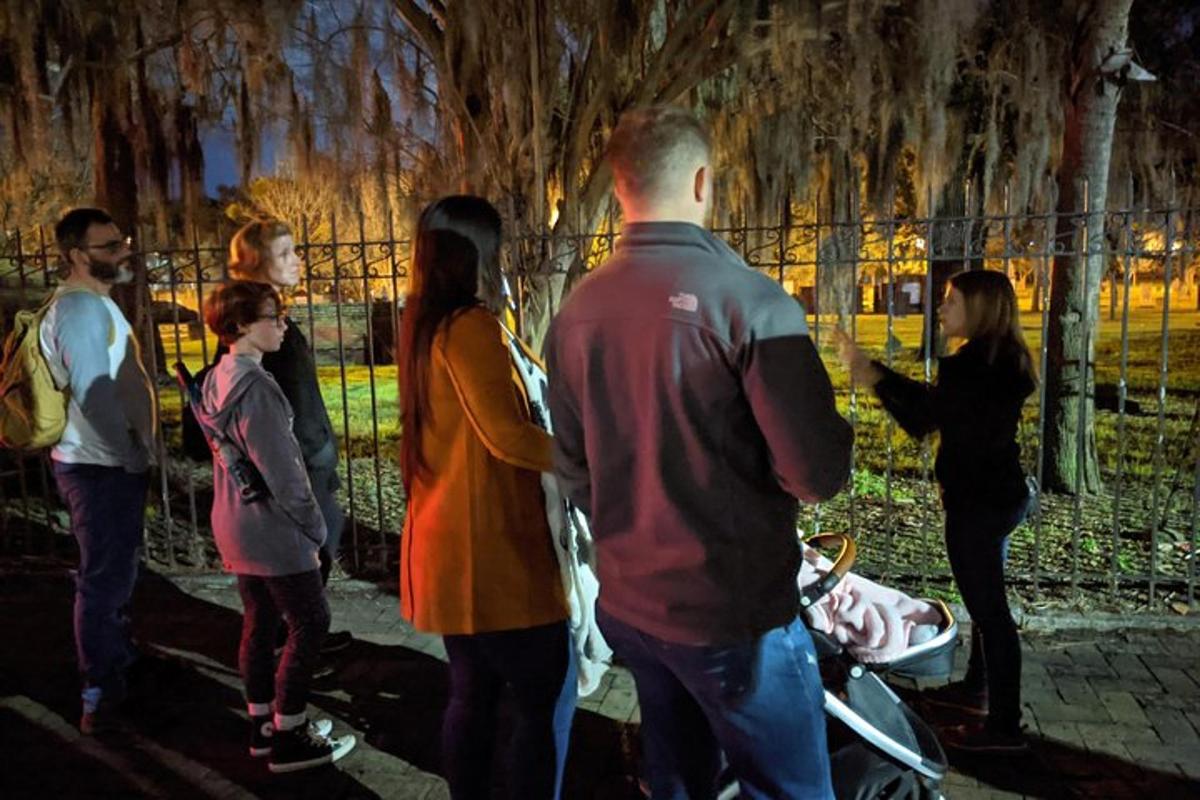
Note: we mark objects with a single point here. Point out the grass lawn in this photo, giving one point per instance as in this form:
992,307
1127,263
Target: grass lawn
894,511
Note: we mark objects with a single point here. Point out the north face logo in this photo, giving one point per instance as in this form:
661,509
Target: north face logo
684,301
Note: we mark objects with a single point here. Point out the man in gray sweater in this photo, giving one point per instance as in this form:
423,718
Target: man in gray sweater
691,411
101,463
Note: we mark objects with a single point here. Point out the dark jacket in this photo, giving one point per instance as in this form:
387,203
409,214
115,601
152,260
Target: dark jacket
295,371
976,407
279,534
690,412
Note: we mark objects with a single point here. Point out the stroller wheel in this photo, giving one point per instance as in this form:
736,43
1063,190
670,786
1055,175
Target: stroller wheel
862,773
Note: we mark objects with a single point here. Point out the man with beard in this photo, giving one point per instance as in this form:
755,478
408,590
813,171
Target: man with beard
101,464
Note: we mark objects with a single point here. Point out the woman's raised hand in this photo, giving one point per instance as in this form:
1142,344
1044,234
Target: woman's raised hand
862,371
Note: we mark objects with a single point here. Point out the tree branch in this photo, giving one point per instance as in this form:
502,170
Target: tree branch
426,27
579,127
437,10
704,64
681,34
152,48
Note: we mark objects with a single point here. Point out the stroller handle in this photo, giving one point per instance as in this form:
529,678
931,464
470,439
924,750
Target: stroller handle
847,552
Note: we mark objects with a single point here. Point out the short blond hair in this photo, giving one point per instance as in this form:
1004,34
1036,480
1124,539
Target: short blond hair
650,145
250,249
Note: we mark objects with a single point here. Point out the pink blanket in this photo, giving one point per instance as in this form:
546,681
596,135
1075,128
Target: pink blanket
874,623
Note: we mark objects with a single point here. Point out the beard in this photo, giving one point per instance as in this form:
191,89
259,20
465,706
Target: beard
113,272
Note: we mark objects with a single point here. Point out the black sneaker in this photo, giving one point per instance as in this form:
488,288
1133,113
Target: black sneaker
960,697
298,749
262,729
262,733
336,641
979,738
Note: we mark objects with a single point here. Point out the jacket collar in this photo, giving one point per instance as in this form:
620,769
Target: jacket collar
685,234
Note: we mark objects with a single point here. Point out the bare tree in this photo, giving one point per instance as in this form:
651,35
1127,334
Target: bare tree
528,124
1090,97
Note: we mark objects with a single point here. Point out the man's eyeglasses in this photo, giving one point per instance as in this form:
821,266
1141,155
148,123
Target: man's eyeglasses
113,247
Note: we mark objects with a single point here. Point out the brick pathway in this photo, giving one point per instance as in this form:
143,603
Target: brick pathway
1113,714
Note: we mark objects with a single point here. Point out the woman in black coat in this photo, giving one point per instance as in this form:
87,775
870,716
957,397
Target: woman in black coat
976,407
264,251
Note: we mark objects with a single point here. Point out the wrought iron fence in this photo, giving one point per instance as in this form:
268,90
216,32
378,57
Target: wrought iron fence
1135,540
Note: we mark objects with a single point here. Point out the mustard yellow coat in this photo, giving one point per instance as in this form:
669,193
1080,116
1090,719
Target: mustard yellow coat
476,554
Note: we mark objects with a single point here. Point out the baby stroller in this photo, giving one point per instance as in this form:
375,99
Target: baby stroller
879,748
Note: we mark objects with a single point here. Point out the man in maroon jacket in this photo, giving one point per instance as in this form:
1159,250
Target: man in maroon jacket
691,412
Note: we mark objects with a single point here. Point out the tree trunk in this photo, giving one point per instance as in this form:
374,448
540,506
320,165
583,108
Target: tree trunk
957,241
115,181
837,260
1069,455
552,274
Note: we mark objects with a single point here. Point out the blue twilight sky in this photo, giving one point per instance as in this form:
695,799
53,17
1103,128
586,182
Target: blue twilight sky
219,142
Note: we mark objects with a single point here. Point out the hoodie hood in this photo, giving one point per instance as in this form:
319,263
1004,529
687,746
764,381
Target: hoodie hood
225,385
280,533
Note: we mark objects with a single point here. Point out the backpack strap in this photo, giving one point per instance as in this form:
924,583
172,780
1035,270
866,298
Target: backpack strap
59,292
63,290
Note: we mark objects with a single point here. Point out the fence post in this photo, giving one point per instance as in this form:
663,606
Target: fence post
173,279
43,478
369,354
1006,256
816,515
1161,428
1081,427
1049,230
396,355
150,363
1122,395
927,311
337,307
19,458
889,337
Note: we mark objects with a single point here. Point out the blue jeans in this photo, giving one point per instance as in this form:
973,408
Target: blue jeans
538,664
759,701
325,483
107,507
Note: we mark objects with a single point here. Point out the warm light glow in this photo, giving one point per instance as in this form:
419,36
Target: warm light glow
553,198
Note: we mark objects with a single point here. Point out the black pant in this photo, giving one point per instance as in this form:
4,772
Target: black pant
536,663
325,482
975,542
300,601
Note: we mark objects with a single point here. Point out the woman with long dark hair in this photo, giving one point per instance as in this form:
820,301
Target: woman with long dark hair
976,406
477,564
